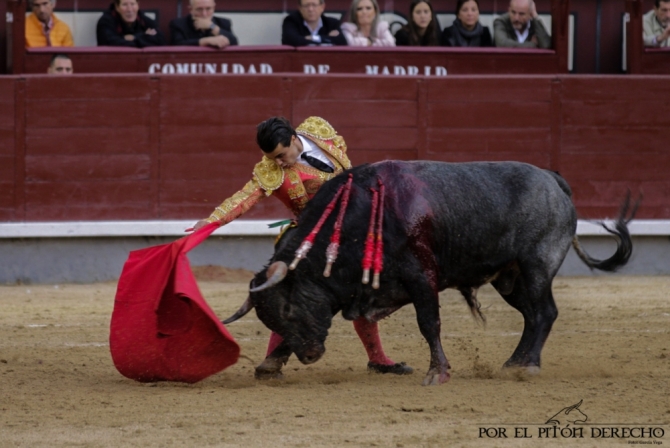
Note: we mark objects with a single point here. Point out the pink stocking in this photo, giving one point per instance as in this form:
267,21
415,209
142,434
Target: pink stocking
369,334
275,340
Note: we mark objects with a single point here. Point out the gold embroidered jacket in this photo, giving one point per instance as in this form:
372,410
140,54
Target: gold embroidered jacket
295,185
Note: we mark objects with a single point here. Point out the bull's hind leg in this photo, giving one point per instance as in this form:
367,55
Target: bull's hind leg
532,297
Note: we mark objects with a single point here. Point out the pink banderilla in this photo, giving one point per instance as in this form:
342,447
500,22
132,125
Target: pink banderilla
308,242
379,246
368,253
333,247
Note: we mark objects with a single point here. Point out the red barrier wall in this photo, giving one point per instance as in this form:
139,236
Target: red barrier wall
95,147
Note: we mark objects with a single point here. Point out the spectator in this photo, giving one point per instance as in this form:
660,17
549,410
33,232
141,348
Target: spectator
308,26
466,30
60,64
521,27
365,28
656,25
124,25
200,27
43,29
422,29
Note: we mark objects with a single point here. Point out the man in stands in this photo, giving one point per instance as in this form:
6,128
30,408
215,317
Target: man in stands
43,29
309,26
124,25
61,64
200,27
520,27
295,163
656,25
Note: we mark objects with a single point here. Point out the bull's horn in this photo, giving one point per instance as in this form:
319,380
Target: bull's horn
244,309
277,272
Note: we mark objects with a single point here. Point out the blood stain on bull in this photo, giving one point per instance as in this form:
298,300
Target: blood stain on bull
446,225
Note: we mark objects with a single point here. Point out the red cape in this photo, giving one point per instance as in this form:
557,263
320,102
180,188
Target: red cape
162,329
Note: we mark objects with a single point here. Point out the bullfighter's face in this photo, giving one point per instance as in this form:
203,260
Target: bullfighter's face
286,156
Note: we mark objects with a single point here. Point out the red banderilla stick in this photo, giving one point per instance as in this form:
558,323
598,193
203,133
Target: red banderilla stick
368,253
333,247
308,242
379,246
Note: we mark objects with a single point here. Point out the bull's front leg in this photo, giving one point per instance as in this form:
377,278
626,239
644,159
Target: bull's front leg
428,317
271,366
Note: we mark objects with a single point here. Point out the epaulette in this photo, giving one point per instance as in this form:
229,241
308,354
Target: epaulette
268,174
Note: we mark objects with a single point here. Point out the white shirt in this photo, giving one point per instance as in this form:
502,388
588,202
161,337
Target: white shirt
310,148
315,33
521,37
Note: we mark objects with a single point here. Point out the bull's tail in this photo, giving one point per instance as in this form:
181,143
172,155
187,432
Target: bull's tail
624,243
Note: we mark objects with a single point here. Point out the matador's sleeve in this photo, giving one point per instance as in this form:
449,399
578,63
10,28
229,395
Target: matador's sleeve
268,176
238,204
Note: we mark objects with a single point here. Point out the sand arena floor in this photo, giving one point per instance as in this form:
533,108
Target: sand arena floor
610,349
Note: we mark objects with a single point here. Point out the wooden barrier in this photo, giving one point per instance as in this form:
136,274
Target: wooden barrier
94,147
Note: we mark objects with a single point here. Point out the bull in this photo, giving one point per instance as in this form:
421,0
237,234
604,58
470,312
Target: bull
445,225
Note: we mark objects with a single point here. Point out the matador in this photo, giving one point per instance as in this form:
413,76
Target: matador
295,164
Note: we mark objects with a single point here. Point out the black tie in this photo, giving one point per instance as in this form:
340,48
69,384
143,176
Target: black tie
316,163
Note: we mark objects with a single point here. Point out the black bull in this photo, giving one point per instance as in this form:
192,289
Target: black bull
445,226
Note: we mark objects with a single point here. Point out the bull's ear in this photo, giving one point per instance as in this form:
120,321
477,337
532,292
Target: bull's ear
244,309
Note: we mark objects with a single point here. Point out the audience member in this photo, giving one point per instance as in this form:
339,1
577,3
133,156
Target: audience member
365,28
422,29
656,25
60,64
521,27
124,25
200,27
309,26
466,30
44,29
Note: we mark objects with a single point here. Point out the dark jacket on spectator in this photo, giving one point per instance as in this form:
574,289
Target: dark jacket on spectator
111,29
182,31
294,31
457,36
402,38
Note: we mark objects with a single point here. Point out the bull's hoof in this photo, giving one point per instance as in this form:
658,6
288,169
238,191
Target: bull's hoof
436,378
262,375
520,372
399,368
269,369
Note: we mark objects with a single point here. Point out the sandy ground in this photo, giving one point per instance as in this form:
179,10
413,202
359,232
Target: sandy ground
610,349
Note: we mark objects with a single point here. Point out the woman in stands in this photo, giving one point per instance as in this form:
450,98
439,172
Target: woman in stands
422,29
124,25
466,30
365,28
